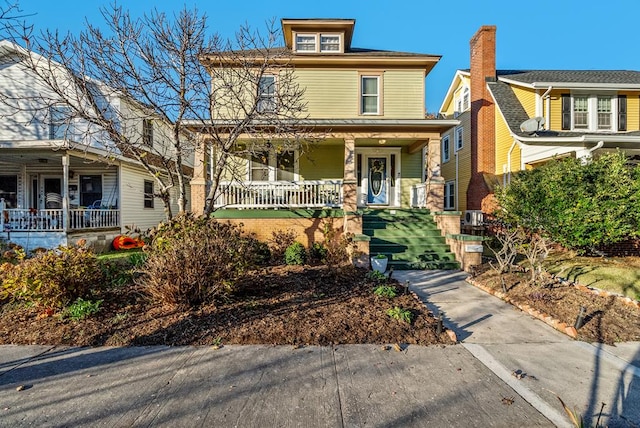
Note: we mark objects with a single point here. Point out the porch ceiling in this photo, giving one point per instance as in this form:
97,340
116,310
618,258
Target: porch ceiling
43,157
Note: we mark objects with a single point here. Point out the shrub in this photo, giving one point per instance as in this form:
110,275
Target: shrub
376,276
387,291
339,246
192,260
580,205
53,278
81,309
280,241
317,253
295,254
400,314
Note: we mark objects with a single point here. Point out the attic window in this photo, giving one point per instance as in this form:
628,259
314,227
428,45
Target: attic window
308,43
305,42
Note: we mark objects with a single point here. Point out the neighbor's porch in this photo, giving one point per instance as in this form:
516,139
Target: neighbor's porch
46,194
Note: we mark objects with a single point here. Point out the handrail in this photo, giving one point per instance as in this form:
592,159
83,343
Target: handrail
280,194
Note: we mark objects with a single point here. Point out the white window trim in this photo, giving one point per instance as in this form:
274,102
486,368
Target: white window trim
315,43
340,45
378,96
449,190
274,96
458,132
272,166
592,111
446,141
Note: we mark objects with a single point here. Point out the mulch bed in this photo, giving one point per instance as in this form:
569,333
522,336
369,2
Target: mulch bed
609,318
278,305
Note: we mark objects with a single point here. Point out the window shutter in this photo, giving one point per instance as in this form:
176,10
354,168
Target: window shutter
566,111
622,112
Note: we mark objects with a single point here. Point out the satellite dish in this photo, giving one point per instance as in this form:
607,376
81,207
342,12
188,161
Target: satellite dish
532,125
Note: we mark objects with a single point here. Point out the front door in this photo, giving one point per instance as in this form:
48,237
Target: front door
52,192
377,191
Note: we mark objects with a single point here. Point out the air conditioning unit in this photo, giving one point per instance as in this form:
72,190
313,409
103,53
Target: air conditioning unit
473,218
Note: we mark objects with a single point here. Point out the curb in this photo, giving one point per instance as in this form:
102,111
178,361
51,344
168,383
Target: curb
545,318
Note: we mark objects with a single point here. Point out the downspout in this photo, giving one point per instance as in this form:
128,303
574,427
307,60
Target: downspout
547,99
457,207
513,146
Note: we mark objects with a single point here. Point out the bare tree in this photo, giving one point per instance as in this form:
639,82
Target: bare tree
238,96
256,106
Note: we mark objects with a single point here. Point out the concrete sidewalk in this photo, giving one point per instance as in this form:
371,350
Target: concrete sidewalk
255,386
547,364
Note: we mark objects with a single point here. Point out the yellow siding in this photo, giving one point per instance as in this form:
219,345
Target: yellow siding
464,161
330,94
322,163
527,98
555,120
450,107
411,174
633,111
404,94
504,142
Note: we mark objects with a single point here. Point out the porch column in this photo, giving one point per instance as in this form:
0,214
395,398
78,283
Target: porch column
349,185
199,180
65,192
434,182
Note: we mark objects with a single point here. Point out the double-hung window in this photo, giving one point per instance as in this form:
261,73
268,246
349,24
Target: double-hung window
581,112
604,112
148,194
450,195
266,94
259,166
446,153
147,132
370,94
459,138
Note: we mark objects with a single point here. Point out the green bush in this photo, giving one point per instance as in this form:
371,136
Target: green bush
280,241
387,291
295,254
192,260
578,205
400,314
53,278
318,252
81,309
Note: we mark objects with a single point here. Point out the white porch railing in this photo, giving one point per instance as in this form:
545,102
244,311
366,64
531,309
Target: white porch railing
280,194
53,219
418,196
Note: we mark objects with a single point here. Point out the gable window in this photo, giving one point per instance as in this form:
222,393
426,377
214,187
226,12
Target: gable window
466,99
59,116
148,194
450,195
459,138
370,94
445,149
266,94
329,43
147,132
305,42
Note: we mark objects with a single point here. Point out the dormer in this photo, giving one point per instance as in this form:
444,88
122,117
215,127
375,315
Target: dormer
318,36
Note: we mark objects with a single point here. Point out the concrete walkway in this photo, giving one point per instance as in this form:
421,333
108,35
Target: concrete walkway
547,363
470,384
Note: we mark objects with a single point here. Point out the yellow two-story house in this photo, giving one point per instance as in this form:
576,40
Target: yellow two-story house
370,142
511,120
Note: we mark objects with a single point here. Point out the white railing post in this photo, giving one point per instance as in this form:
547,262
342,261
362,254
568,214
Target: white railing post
3,206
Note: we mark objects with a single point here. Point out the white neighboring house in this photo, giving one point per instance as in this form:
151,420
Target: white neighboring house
60,183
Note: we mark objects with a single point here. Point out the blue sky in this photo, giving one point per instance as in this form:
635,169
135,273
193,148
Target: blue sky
539,34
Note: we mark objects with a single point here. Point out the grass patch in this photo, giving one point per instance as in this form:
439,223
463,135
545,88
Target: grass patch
120,255
616,274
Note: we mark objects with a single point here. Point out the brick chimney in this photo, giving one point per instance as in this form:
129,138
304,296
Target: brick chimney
483,69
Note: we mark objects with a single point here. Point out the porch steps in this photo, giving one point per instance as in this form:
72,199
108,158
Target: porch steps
409,238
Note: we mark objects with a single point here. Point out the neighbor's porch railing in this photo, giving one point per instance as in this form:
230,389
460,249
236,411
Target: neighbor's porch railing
53,219
280,194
